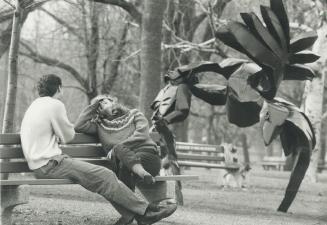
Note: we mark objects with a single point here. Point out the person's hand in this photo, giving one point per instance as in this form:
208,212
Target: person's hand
148,178
161,122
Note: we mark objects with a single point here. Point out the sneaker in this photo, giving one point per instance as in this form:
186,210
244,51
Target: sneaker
156,212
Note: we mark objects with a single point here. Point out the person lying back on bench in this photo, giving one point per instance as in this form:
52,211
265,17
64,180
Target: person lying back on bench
44,123
124,134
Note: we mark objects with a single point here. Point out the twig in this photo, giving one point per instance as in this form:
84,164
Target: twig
9,3
132,55
75,87
36,4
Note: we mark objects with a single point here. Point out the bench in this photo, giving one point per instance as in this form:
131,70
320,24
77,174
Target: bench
16,191
206,156
212,157
273,162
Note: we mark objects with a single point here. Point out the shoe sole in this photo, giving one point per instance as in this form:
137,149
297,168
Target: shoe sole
170,209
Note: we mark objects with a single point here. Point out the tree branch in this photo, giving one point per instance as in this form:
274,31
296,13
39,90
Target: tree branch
9,3
27,5
63,23
127,6
53,62
6,15
75,87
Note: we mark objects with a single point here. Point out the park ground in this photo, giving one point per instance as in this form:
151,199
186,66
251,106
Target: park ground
206,203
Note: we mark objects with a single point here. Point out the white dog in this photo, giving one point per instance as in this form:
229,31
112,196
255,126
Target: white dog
237,178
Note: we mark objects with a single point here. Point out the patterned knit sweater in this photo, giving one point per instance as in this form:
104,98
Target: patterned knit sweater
128,131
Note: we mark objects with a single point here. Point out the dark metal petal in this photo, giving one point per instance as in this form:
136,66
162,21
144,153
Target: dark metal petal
262,34
278,8
242,114
192,69
303,41
253,47
303,57
298,72
212,94
274,26
224,35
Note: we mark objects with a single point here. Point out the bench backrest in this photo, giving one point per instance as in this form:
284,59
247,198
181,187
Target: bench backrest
83,146
88,148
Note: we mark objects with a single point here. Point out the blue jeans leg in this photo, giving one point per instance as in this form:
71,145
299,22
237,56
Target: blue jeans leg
97,179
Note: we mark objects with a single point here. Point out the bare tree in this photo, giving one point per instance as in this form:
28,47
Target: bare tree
89,38
313,103
151,53
6,16
10,102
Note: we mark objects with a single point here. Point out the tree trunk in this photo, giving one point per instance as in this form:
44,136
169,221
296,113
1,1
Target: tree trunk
111,68
3,83
270,150
314,100
8,121
323,144
211,129
10,103
181,131
151,53
92,48
168,61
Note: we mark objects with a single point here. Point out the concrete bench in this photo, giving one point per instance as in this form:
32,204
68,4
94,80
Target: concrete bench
16,191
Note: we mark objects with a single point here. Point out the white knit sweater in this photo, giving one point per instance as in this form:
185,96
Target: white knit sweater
44,123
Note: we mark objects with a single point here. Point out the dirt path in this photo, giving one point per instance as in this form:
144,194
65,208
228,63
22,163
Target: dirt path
205,204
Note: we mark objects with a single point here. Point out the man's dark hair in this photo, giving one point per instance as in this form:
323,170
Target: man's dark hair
48,85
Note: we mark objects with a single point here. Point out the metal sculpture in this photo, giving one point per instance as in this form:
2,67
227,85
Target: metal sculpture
251,83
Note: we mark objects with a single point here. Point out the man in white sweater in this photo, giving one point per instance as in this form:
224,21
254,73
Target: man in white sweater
45,123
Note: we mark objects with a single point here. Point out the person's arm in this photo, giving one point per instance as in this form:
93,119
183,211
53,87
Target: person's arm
182,105
62,127
85,122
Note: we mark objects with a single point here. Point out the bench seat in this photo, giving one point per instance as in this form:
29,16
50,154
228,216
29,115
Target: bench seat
66,181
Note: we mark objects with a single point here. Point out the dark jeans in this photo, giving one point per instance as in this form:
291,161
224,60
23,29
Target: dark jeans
151,162
97,179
